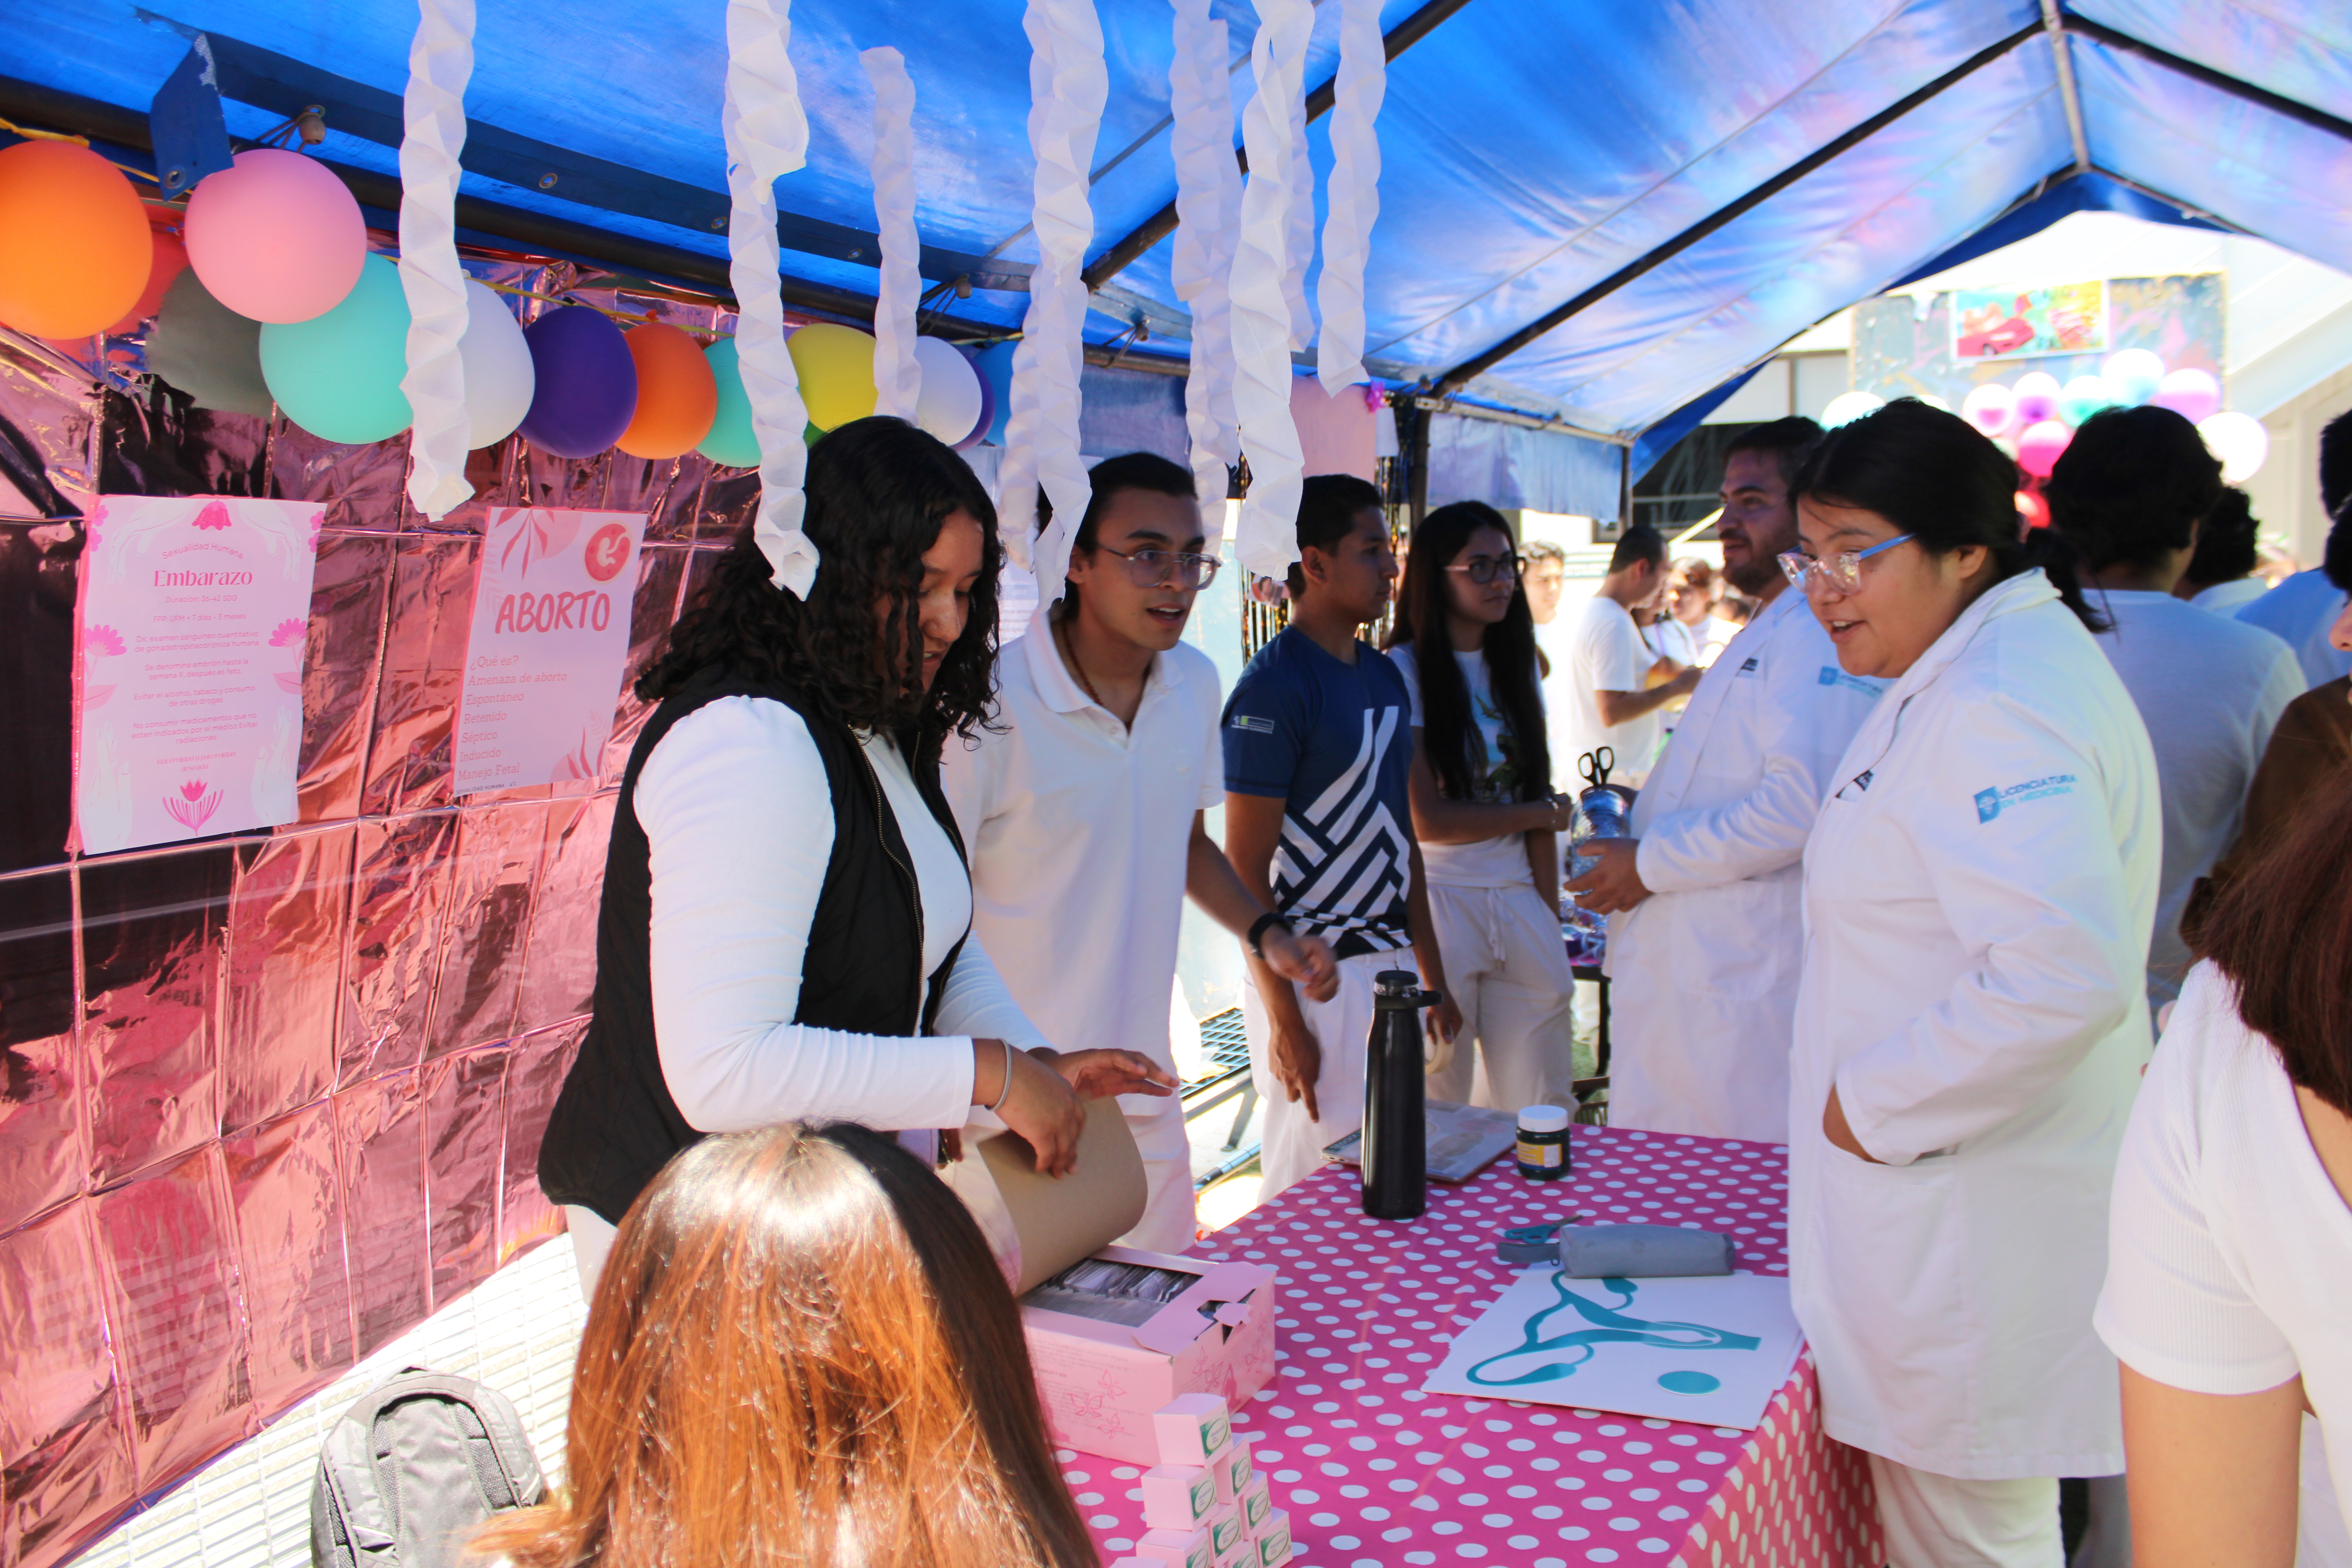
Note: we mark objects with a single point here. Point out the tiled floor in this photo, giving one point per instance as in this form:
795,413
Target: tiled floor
516,1331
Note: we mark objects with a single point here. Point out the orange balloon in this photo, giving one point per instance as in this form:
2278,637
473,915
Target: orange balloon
677,397
171,259
74,246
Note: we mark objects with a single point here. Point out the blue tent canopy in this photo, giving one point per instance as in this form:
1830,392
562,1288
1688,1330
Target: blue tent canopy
1599,216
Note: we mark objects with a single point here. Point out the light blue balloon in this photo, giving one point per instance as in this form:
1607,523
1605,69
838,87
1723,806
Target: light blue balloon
2083,396
995,367
731,441
338,376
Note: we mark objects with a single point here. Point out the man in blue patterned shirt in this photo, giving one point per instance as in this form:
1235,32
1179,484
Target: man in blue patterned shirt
1318,746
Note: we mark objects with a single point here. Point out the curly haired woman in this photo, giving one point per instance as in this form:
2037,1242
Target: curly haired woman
786,909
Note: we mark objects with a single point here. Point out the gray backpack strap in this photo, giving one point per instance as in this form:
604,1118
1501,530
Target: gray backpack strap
365,1481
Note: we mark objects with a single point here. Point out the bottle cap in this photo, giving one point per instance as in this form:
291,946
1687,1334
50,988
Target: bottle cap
1542,1119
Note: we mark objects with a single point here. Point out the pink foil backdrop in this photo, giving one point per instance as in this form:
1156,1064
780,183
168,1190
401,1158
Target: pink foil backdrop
269,1100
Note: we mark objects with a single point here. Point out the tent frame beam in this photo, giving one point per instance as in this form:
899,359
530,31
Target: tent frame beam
2067,22
1122,252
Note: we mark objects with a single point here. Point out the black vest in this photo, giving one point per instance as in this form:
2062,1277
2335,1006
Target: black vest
614,1124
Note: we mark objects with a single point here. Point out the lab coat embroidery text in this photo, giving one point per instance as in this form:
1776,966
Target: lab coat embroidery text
1991,802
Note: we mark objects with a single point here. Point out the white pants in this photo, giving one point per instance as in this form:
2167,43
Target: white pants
1168,1223
1507,971
1941,1521
1291,1146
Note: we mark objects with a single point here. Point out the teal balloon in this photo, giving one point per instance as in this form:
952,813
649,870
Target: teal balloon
995,366
338,376
732,440
2083,396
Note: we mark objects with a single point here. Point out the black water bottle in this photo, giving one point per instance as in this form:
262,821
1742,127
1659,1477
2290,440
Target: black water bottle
1394,1148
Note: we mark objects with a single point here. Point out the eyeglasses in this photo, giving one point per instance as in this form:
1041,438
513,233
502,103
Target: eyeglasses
1484,569
1166,568
1842,571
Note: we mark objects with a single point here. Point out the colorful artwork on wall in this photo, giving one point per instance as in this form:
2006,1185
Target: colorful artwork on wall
2014,323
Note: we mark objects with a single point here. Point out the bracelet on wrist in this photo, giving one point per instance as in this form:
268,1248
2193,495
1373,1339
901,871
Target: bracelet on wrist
1259,927
1005,1091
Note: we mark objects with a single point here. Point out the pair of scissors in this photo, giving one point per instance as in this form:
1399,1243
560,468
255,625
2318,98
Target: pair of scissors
1595,765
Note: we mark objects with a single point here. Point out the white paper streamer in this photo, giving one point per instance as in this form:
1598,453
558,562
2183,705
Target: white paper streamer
767,138
1268,532
440,63
897,378
1208,205
1353,195
1299,236
1067,85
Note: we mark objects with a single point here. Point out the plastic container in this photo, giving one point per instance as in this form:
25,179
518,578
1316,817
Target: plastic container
1543,1149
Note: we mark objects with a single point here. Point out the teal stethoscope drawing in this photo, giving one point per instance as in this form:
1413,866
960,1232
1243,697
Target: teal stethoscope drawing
1610,1325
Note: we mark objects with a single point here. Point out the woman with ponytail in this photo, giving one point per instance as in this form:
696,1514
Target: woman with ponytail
1971,1019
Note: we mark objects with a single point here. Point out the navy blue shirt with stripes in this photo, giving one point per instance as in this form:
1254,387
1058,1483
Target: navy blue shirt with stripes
1334,742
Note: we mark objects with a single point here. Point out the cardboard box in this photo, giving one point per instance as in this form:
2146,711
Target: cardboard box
1193,1430
1101,1382
1232,1468
1273,1541
1177,1549
1225,1532
1178,1496
1256,1504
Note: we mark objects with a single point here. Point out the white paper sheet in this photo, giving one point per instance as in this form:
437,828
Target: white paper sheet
1713,1350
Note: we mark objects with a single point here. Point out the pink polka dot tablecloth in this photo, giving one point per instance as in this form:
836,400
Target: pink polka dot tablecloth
1375,1473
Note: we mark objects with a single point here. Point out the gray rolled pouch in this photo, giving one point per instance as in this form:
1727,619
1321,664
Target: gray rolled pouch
1641,1251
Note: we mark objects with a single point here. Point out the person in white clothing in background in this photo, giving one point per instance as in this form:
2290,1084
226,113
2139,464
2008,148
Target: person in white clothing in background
2128,493
1599,693
1081,806
785,927
2301,610
2230,1256
2220,575
1707,933
1543,576
1971,1017
1484,810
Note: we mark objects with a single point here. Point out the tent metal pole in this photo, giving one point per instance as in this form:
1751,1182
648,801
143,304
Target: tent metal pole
2220,81
1416,447
1468,370
1124,251
2053,22
1624,490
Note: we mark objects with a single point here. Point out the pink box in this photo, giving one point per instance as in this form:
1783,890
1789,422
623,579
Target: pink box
1178,1496
1193,1430
1232,1468
1226,1535
1273,1541
1102,1381
1256,1504
1177,1549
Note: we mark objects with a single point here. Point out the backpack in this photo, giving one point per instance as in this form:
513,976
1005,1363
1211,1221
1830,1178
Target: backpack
411,1470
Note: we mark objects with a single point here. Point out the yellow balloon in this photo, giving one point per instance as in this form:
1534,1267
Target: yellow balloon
837,371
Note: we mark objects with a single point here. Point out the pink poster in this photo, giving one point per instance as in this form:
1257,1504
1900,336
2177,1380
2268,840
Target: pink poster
188,666
549,636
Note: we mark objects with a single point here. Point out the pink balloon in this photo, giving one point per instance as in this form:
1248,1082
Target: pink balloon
2193,395
2037,397
2038,448
1989,407
278,237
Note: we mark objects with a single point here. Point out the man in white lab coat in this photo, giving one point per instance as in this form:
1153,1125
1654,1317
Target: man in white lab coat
1705,938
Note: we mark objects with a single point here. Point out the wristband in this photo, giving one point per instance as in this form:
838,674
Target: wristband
1005,1092
1259,927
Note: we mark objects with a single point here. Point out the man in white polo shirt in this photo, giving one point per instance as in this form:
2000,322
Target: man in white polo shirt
1081,806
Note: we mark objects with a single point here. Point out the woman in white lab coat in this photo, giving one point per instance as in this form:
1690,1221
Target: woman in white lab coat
1970,1021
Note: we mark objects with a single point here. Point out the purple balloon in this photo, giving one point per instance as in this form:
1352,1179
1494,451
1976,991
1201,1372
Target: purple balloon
587,391
987,419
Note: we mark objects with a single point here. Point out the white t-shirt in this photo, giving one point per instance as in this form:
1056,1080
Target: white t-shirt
1716,634
1596,646
2210,691
1671,640
1078,828
2303,611
2228,1249
1500,862
2228,598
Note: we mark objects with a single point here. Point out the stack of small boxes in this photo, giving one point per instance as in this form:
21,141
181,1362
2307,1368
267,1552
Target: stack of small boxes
1205,1505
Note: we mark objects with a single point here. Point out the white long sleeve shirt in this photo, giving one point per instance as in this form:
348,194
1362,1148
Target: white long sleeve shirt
737,810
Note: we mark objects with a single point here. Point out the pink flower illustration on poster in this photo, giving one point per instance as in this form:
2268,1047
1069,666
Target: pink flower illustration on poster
194,807
287,634
90,521
104,640
215,516
544,534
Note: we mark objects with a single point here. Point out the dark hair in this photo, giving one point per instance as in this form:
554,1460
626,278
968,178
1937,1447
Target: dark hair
2335,463
2131,486
1448,731
1127,471
877,490
1542,550
2281,932
2225,542
1787,440
1328,506
1638,543
2336,558
1935,477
